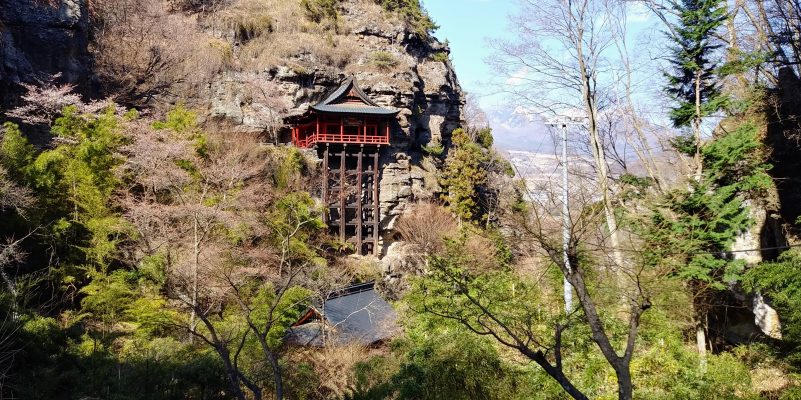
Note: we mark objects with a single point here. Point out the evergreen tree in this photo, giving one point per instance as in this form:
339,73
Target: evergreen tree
693,82
464,173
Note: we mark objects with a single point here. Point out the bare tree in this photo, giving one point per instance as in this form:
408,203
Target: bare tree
270,105
237,251
508,315
557,66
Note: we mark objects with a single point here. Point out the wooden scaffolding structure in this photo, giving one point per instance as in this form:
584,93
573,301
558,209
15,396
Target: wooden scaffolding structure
351,177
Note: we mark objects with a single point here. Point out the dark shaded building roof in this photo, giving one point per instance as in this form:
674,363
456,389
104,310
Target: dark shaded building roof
355,315
350,99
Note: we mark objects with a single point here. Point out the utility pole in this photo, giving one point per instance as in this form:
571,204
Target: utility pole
563,122
568,289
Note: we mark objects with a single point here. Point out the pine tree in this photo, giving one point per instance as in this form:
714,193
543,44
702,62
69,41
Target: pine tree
694,81
464,174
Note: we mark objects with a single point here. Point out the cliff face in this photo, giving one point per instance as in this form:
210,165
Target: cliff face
416,77
251,63
38,39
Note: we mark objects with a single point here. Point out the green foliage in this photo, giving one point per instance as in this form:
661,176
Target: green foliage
74,182
449,365
483,137
296,221
412,12
780,281
693,60
383,60
183,122
15,151
435,149
319,10
736,159
107,296
743,62
463,175
693,232
292,165
440,56
695,227
684,144
286,310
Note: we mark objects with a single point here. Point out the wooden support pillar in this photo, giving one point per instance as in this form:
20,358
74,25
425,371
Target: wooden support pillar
342,210
376,211
342,129
326,203
359,201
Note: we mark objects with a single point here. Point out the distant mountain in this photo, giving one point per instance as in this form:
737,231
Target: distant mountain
519,129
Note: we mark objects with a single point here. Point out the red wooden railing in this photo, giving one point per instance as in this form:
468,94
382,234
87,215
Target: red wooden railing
312,139
317,135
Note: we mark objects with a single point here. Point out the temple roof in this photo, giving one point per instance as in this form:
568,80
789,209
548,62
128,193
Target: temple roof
350,99
355,315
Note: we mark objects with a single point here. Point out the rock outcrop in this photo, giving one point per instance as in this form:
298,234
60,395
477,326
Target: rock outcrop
39,39
421,83
266,61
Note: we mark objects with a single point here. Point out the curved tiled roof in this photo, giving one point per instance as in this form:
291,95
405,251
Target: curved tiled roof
355,315
335,102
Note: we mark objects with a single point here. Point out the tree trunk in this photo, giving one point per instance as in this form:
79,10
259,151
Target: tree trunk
555,372
598,153
233,375
699,166
625,389
279,382
700,340
195,262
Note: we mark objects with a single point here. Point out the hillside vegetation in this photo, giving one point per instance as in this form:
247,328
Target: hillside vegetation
150,249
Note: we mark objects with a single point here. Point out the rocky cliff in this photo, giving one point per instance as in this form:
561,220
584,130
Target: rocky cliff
416,77
249,63
40,39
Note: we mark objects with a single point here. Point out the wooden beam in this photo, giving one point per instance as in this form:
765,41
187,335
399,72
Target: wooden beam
326,203
359,201
342,211
376,211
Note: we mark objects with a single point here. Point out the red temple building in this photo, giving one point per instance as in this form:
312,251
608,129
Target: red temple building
348,131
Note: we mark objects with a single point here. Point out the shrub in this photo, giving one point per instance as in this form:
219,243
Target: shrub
248,27
426,225
435,149
440,56
383,60
319,10
412,13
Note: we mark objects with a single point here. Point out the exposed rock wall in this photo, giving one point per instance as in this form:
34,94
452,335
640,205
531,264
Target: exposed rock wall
39,39
271,75
422,86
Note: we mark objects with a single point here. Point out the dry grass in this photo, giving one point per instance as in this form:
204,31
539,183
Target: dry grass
268,33
150,52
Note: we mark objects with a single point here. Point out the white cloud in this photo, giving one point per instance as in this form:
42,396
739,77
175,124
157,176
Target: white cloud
517,78
638,13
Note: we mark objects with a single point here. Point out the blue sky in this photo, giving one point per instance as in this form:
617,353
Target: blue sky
467,25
